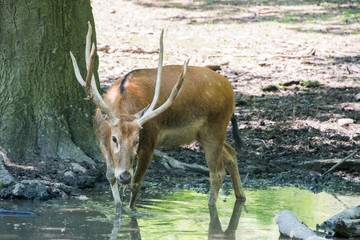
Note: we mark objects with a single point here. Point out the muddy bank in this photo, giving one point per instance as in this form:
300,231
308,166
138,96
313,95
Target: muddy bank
68,179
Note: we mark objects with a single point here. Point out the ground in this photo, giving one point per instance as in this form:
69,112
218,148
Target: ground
295,69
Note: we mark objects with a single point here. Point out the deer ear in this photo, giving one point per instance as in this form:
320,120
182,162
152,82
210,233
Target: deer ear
141,113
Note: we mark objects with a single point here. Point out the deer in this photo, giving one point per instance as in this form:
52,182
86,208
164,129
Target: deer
169,106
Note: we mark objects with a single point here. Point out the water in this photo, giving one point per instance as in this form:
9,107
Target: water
183,215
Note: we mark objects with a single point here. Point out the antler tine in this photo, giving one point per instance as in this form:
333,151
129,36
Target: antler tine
87,46
90,85
159,73
77,71
90,68
173,95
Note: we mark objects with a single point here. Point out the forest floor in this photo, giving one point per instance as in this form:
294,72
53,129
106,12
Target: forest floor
294,66
295,70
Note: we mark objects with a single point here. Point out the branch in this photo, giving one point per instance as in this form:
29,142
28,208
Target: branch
348,227
169,162
290,226
351,213
341,162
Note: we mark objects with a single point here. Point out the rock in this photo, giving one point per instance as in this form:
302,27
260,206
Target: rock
36,189
31,189
5,178
61,189
78,168
69,178
357,97
18,189
345,121
85,181
69,174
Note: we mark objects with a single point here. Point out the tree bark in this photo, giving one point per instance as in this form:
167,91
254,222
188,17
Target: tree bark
42,111
348,227
170,163
290,226
345,223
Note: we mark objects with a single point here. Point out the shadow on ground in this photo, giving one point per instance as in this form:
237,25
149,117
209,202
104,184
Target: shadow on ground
338,14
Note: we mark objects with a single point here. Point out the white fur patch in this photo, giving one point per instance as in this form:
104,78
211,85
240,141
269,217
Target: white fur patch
115,193
118,172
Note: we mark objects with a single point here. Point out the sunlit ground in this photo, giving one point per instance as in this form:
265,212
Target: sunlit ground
183,215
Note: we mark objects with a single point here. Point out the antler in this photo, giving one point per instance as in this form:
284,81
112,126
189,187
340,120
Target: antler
90,85
150,112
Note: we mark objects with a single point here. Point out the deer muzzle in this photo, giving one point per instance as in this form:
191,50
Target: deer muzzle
124,178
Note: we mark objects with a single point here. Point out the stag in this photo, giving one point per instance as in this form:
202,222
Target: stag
139,113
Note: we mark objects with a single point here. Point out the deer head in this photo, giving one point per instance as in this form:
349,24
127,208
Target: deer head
124,134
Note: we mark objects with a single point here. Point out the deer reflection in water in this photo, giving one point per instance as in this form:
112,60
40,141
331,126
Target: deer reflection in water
215,228
133,228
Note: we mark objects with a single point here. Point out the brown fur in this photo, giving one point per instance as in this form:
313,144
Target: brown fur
201,112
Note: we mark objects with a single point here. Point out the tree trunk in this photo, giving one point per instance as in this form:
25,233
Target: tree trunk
43,114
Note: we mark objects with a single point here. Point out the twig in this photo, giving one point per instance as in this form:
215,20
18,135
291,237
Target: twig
341,162
260,140
310,54
336,197
245,179
298,56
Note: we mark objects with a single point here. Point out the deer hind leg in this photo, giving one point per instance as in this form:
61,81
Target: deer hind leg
213,155
230,161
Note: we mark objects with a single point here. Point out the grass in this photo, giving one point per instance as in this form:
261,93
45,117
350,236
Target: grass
310,84
306,17
351,16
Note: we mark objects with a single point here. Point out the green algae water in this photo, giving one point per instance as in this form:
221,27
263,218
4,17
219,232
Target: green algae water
182,215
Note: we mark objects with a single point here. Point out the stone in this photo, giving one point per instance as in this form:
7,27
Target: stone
78,168
5,178
345,121
31,189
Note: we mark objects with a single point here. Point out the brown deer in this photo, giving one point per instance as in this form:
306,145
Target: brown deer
139,113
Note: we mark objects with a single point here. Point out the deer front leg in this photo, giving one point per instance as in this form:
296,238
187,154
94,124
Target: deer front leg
114,188
110,175
144,159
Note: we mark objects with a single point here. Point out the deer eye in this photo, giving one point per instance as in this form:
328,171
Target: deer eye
114,139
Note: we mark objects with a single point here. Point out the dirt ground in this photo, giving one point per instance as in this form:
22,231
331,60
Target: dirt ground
295,69
294,66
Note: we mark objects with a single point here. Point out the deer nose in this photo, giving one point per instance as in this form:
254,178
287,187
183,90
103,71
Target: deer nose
125,178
